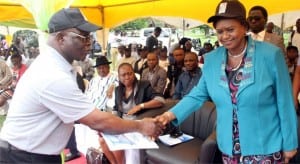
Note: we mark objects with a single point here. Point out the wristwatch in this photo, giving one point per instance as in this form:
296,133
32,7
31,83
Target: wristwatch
142,105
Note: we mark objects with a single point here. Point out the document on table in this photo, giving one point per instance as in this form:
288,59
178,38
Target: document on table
133,140
170,141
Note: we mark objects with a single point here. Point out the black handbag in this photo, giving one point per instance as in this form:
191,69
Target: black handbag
96,156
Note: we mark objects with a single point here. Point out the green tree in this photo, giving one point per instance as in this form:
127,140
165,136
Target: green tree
205,29
30,37
136,24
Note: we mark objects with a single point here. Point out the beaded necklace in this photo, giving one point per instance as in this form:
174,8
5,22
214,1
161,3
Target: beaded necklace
238,66
238,55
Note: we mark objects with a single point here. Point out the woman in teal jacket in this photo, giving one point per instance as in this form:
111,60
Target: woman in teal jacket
249,83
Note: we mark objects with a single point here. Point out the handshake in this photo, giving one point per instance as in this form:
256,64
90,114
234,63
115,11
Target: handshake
154,127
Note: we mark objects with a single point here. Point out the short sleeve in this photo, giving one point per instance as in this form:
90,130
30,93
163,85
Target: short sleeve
66,100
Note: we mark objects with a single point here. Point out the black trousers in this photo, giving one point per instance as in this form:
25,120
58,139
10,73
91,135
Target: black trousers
72,145
11,155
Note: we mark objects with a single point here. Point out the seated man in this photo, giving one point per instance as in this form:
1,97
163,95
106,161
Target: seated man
186,82
156,75
127,58
141,63
100,88
174,70
100,91
189,78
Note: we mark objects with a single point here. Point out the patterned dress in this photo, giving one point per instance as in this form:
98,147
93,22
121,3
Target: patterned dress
97,89
234,76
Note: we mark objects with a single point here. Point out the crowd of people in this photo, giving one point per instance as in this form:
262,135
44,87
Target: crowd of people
14,59
63,86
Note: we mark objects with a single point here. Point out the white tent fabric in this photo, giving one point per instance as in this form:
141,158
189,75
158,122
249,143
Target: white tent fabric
179,22
286,19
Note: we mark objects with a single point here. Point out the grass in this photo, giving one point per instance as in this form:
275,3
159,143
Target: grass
2,118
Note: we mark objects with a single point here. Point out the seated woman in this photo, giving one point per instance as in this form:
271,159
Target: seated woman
18,70
5,81
132,96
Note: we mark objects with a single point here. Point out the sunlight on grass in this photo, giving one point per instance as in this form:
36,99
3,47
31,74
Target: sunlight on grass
2,118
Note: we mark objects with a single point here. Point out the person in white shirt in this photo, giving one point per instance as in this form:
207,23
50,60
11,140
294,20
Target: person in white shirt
101,87
134,51
101,91
86,66
163,58
127,58
47,100
295,36
114,41
141,63
257,19
118,57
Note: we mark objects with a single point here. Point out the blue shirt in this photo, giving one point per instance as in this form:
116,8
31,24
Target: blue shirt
186,83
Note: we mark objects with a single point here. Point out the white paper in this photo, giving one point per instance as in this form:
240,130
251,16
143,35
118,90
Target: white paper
133,140
170,141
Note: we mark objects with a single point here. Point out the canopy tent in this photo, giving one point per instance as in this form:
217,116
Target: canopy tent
111,13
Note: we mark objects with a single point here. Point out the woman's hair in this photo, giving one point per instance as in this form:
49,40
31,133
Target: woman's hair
13,50
124,64
164,49
129,65
288,48
120,90
16,56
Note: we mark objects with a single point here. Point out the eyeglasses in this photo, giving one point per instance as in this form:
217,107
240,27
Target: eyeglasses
256,18
84,39
126,74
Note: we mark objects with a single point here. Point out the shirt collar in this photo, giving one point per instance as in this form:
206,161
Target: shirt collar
62,61
259,36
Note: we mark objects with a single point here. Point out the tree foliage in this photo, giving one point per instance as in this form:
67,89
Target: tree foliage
30,37
136,24
205,29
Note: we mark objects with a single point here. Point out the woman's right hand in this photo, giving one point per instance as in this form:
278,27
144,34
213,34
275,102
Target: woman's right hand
166,117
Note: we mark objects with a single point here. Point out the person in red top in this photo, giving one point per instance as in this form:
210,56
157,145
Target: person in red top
18,70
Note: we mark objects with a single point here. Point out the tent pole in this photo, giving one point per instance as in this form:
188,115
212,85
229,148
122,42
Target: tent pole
7,30
282,22
183,27
103,33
